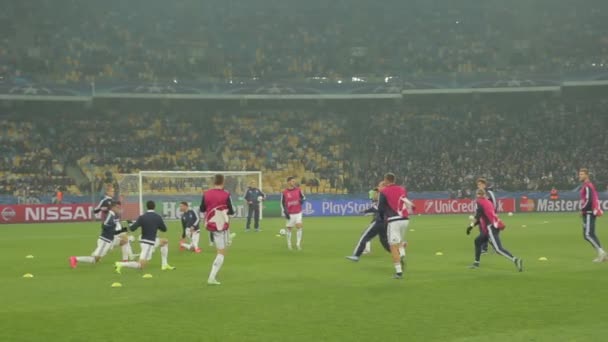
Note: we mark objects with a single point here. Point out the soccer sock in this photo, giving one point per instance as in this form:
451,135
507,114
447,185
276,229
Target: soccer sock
185,245
368,246
402,251
288,235
299,237
130,264
164,252
195,238
398,268
125,251
129,249
88,259
217,264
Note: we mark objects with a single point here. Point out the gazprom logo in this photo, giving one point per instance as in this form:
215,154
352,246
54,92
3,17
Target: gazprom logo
8,214
307,209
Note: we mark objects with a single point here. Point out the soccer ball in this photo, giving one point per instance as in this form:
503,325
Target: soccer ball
282,231
510,213
260,198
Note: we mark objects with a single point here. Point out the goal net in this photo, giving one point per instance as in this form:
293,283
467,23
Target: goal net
169,188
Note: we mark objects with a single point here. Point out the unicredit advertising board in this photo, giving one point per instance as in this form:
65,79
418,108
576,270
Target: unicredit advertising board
457,206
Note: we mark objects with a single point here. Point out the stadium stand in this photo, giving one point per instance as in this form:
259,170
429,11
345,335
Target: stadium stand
331,152
111,40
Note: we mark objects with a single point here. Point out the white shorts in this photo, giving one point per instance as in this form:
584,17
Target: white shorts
102,248
147,250
117,239
396,231
221,239
293,220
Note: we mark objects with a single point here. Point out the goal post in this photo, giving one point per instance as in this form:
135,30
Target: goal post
169,188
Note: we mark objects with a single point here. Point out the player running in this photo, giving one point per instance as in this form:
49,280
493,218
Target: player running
150,223
482,184
393,209
376,227
292,199
109,229
190,229
490,226
590,210
254,198
217,207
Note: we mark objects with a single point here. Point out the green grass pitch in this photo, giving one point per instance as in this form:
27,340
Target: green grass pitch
271,294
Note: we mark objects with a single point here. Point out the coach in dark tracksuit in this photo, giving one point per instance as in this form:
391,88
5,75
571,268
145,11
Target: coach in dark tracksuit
376,227
252,197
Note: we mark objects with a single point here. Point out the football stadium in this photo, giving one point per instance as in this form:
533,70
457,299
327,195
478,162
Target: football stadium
281,170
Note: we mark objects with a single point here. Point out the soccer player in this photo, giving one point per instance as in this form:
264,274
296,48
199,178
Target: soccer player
103,207
217,206
393,209
482,184
376,227
109,229
590,209
121,239
291,204
190,228
150,223
253,196
490,230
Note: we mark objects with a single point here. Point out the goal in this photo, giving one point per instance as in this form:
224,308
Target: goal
169,188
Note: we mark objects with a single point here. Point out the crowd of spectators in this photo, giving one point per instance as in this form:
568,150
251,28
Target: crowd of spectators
526,145
70,40
529,145
105,143
28,167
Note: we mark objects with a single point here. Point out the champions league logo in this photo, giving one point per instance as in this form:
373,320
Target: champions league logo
30,90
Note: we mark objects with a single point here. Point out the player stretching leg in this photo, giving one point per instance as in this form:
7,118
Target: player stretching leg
190,229
376,227
291,203
490,230
150,223
122,238
392,208
590,207
109,228
217,207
